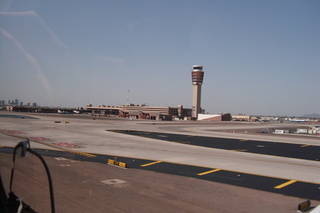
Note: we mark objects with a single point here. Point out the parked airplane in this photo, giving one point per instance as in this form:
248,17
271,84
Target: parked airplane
298,120
64,112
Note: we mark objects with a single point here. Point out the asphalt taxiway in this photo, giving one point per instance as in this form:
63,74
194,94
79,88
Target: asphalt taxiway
287,187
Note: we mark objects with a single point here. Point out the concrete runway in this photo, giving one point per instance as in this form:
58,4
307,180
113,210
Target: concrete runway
90,136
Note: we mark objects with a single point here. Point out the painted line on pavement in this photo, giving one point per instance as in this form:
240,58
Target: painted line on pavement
285,184
305,145
208,172
80,153
149,164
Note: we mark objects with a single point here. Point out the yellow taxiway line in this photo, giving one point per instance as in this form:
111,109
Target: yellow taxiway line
149,164
285,184
208,172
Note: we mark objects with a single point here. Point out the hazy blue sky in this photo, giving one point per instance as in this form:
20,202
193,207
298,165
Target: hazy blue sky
259,57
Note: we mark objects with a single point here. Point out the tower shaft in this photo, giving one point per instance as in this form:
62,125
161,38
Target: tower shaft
196,101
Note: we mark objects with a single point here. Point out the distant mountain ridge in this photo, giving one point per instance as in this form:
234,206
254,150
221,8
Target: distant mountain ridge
314,115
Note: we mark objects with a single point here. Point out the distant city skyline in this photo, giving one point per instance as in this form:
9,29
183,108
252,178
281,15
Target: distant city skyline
260,57
17,102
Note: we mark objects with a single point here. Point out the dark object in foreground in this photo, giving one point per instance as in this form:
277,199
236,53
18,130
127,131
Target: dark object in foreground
13,203
305,206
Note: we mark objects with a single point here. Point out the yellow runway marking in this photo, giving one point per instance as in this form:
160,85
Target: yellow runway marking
285,184
208,172
149,164
244,140
305,145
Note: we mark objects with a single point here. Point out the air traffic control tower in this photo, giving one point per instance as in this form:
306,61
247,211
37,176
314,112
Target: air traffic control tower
197,79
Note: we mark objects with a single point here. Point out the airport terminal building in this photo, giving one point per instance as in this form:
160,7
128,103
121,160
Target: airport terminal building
142,112
130,111
154,113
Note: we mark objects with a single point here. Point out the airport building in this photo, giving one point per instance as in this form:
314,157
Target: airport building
242,118
142,112
130,111
215,117
154,113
